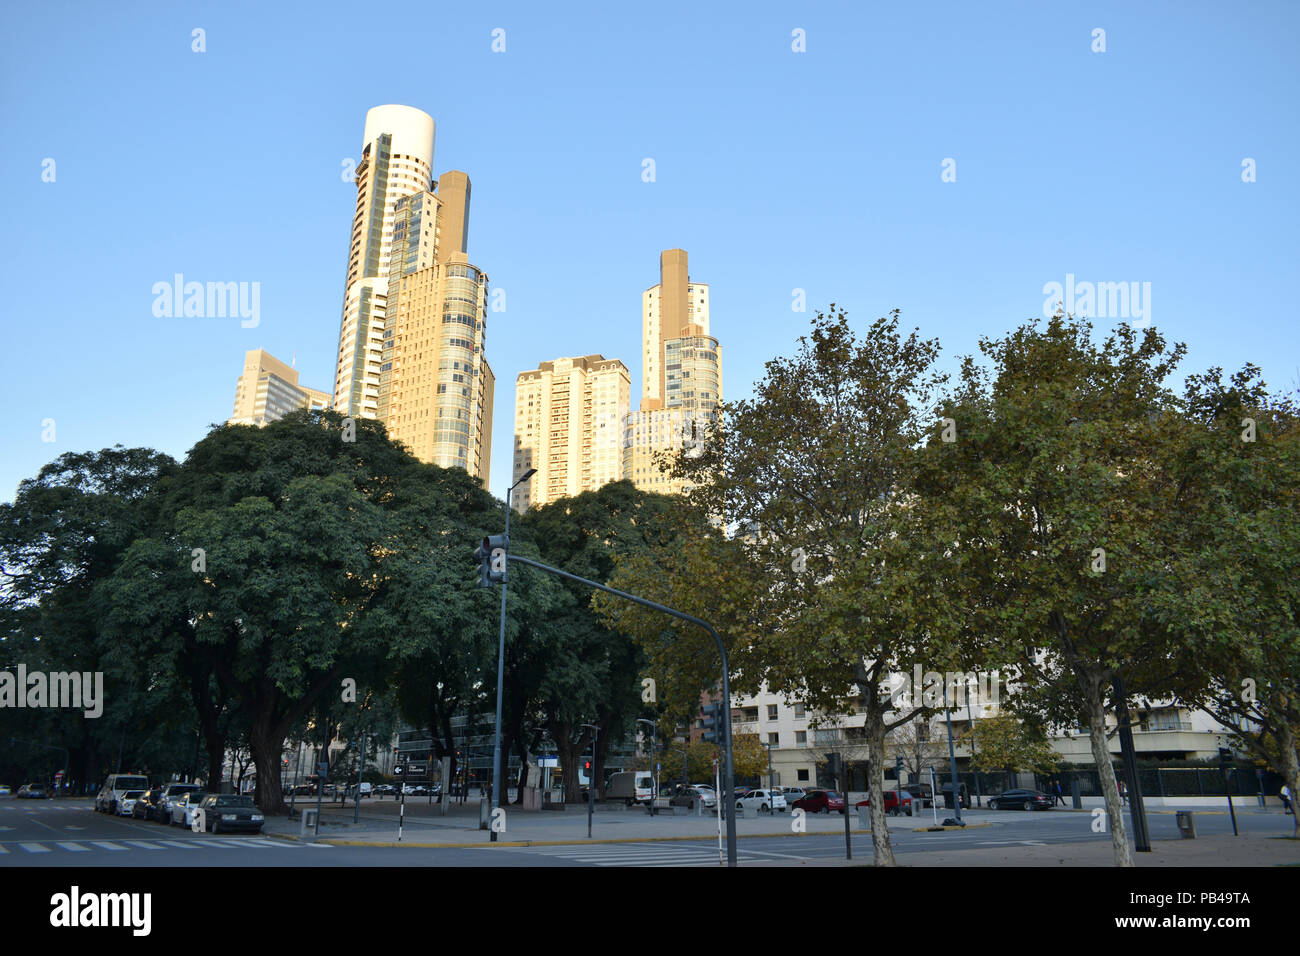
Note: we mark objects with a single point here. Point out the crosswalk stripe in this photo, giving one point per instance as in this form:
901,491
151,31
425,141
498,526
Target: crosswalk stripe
34,848
107,845
180,845
141,844
74,847
255,844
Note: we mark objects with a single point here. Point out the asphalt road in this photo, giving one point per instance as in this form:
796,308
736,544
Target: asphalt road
69,833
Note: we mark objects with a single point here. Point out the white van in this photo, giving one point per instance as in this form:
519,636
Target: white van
115,787
633,786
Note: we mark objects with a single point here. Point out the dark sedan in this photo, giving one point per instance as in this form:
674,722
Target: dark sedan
146,808
820,801
1021,800
227,812
32,791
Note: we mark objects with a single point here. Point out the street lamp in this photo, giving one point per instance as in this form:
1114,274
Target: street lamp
591,780
654,731
501,662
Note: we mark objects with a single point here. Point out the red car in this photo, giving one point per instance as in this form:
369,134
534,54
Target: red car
894,804
820,801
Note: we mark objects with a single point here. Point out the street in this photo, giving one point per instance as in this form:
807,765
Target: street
68,833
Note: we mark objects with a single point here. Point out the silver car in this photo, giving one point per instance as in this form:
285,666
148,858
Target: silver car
762,800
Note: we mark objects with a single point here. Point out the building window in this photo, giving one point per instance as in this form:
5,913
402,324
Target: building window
798,711
774,739
803,776
801,737
771,711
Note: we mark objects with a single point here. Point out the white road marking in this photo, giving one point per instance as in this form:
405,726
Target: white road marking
105,844
74,847
34,848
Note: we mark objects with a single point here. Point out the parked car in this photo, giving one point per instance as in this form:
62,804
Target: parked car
792,794
171,795
895,802
762,800
923,792
683,796
184,806
820,801
32,791
144,808
1021,800
126,803
224,812
116,785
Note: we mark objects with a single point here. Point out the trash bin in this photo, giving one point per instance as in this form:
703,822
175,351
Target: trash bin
1186,824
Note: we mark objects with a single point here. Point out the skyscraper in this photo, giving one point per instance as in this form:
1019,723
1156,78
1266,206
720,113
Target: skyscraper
568,425
681,367
411,343
268,390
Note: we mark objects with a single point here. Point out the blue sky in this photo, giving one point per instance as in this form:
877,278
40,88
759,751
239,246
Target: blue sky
775,170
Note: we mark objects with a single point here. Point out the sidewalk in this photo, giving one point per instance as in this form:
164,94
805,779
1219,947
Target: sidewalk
423,826
1218,851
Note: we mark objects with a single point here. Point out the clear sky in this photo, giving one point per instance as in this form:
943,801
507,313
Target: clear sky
776,170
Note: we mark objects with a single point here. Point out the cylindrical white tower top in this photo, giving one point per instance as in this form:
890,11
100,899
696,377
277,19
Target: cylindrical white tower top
412,130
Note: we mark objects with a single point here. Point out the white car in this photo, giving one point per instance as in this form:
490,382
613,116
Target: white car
762,800
126,803
183,809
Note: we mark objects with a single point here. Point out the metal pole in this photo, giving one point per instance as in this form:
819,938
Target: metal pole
934,791
1137,810
320,792
591,778
1228,791
844,792
361,769
952,758
501,663
729,779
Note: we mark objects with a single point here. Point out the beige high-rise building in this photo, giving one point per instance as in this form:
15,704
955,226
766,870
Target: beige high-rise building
268,390
568,425
411,345
682,374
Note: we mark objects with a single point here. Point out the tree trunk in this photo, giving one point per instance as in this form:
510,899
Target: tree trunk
1290,769
266,749
875,728
1106,771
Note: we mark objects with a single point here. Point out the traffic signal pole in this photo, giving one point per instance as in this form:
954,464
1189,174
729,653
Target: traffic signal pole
728,775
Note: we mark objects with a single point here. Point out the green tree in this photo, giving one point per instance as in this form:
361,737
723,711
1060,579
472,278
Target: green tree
1234,592
1062,481
829,583
60,541
1003,743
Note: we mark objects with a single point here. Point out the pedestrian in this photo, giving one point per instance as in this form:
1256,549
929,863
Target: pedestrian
1286,800
1059,795
1123,793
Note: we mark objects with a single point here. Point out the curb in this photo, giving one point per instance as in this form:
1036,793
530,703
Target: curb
583,841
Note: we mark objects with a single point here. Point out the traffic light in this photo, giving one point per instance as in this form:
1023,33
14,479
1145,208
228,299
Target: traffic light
711,722
491,557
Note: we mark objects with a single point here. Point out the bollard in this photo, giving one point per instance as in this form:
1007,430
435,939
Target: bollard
1186,825
308,820
864,818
